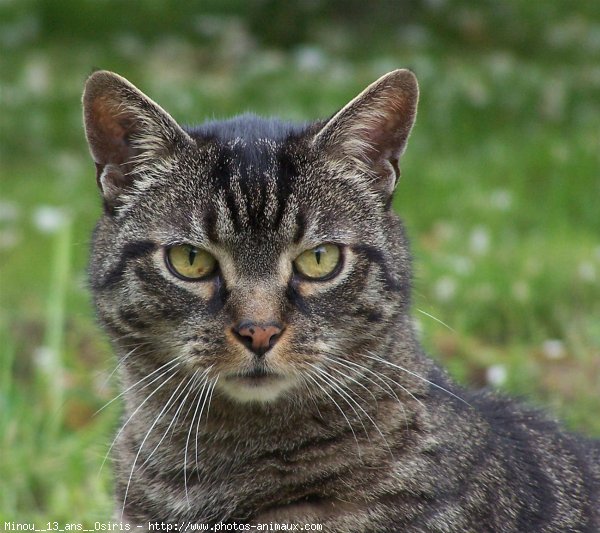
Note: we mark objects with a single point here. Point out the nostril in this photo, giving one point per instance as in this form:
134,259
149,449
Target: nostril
274,338
258,337
243,333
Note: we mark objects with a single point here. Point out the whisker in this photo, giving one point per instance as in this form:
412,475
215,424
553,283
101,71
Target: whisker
152,426
377,358
120,362
189,385
436,319
351,378
311,395
313,378
359,369
199,394
168,363
346,364
195,386
173,369
384,376
208,395
341,388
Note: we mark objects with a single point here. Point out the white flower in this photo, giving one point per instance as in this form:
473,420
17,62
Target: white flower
463,266
586,271
479,241
445,289
9,211
49,219
310,58
554,349
501,199
45,358
37,76
496,375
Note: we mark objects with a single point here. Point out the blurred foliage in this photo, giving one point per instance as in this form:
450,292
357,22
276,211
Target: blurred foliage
554,29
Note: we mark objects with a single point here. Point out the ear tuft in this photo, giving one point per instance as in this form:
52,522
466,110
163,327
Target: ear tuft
126,131
371,132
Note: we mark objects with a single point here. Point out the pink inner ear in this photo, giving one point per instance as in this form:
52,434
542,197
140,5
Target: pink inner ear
389,134
109,142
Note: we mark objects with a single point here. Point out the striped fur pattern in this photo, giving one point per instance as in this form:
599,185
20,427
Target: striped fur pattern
344,421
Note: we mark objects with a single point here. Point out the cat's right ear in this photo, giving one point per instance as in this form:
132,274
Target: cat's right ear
128,134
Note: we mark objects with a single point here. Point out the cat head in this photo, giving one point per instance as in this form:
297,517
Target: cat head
251,251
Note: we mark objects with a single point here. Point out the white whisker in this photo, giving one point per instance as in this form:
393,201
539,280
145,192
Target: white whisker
120,362
172,369
381,360
167,364
187,386
128,420
199,394
347,364
388,378
207,397
313,378
340,387
436,319
351,378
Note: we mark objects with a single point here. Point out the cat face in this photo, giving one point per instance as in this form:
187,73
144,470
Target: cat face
250,251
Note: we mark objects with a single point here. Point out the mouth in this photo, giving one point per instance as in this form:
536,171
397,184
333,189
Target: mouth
256,385
257,377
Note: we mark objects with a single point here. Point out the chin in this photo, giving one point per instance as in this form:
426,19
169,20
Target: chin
245,389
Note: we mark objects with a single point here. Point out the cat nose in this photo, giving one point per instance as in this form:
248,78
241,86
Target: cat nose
258,337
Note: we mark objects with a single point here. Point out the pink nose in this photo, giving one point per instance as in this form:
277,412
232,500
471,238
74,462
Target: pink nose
258,338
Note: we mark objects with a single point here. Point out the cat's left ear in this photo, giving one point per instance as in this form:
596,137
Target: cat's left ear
371,132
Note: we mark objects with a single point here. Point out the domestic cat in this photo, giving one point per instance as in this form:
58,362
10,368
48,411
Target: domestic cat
255,284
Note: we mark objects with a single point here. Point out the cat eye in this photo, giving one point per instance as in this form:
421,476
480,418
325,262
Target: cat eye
319,263
190,263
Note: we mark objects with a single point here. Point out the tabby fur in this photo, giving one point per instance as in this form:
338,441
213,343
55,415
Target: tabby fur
356,428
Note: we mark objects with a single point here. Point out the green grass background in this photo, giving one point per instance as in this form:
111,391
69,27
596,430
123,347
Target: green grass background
500,192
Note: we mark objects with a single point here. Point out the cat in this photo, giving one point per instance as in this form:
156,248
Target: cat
255,284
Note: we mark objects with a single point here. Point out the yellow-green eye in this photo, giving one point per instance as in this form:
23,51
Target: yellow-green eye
319,262
189,262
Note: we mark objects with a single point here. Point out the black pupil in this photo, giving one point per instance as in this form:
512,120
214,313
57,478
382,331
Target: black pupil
192,256
318,253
